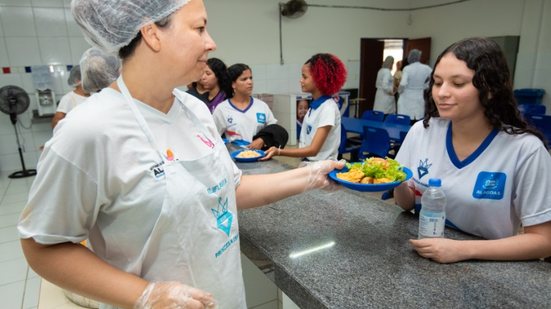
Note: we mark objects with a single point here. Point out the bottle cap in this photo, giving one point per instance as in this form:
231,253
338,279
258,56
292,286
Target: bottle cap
435,182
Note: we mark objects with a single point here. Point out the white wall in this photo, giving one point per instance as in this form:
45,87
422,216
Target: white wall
33,33
42,32
530,19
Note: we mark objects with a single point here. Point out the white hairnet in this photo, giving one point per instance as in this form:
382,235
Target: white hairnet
112,24
414,55
389,61
99,69
74,76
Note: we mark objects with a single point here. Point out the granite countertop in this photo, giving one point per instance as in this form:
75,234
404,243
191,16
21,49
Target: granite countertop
367,261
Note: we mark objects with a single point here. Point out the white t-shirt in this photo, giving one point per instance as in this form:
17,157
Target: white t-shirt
69,101
99,167
327,114
502,185
242,124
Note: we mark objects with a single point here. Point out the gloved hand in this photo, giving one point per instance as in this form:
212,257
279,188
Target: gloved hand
318,173
173,294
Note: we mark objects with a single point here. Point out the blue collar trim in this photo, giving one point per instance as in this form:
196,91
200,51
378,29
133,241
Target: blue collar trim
242,110
474,155
319,101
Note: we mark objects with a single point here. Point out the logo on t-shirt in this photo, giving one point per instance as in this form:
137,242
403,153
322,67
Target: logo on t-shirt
158,170
224,217
205,140
229,120
261,118
423,168
490,185
224,220
308,129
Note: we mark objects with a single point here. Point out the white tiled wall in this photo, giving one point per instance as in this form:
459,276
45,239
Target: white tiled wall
43,32
37,32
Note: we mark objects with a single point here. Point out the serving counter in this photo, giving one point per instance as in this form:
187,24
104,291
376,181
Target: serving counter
347,249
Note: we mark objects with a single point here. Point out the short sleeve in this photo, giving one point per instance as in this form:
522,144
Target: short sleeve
62,204
271,117
531,200
328,114
63,106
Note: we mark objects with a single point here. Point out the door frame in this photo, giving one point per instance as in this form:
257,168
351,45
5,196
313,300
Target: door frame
371,58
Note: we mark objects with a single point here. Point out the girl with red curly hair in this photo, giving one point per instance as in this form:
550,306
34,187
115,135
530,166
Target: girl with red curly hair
323,75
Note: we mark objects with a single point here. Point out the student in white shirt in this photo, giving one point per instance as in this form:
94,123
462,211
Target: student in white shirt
242,116
323,75
495,170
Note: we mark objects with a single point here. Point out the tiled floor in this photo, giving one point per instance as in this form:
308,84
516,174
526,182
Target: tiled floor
19,285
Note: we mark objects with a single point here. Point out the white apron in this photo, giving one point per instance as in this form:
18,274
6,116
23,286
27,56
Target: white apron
195,239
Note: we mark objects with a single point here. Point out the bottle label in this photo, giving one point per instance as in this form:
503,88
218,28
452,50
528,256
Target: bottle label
431,224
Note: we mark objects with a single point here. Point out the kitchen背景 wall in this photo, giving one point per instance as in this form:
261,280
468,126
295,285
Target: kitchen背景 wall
42,32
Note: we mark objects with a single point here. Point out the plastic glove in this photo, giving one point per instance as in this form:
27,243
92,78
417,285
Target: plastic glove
172,294
317,178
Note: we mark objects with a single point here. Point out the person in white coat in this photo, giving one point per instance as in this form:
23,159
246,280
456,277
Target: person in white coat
415,79
384,97
140,170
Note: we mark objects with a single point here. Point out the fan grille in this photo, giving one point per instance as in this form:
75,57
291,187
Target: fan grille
13,100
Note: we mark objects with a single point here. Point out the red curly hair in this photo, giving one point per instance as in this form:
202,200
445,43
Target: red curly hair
328,72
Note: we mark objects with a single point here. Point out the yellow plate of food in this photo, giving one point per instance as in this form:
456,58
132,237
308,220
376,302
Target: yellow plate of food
372,175
247,155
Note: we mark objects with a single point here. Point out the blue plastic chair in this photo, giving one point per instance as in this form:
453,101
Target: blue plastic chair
373,115
375,142
532,109
398,118
542,123
347,146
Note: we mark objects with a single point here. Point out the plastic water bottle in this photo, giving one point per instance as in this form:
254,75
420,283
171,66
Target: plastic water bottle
432,217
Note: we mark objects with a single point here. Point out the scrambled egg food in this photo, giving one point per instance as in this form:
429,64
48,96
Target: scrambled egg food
373,171
248,154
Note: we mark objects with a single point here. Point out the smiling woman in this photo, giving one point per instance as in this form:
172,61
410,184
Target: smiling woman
133,170
495,170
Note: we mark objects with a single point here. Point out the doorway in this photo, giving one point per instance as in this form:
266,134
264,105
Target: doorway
372,53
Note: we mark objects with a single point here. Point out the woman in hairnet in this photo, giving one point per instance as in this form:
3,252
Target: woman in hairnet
415,79
151,185
384,97
99,69
73,98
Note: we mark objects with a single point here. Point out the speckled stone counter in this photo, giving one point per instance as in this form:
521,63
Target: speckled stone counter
367,261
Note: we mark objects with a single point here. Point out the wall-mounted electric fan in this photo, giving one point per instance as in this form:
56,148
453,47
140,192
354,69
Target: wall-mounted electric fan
293,8
14,101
